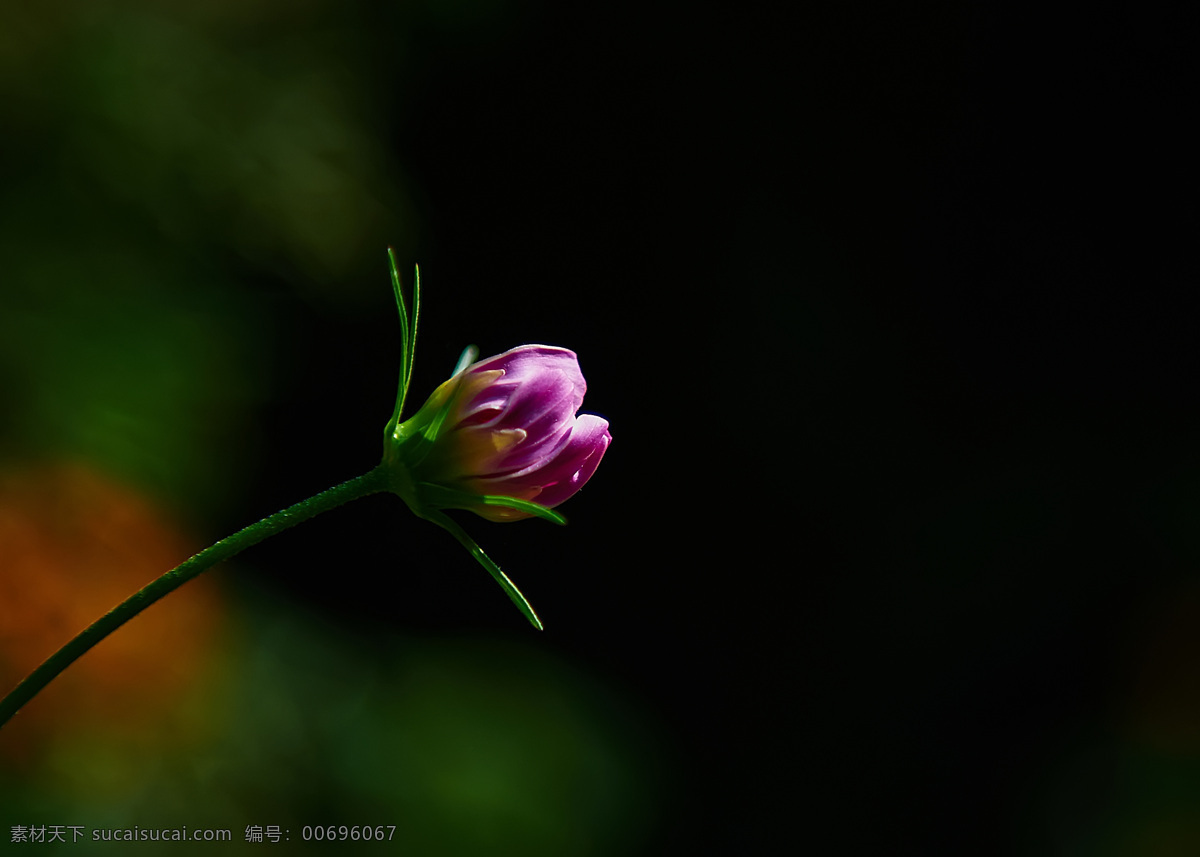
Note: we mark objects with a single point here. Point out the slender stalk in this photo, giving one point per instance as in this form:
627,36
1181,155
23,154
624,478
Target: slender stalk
372,482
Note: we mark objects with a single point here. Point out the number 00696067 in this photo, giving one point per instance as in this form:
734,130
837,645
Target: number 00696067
336,833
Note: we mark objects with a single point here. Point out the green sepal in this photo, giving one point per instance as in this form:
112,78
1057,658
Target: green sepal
442,497
537,509
465,359
444,521
406,444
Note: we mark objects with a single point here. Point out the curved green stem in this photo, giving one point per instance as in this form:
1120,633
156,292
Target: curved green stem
372,482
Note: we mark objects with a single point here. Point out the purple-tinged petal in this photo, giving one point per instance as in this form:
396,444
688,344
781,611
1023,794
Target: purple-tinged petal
562,476
576,464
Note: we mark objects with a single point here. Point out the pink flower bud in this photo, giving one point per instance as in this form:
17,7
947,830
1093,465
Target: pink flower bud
507,426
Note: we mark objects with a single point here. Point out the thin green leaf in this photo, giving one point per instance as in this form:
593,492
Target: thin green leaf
483,559
412,333
405,341
443,497
522,505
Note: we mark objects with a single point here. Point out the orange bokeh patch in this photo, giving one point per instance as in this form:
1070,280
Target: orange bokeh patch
73,544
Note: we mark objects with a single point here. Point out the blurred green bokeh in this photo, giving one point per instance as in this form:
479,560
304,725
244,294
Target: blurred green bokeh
163,166
465,746
169,171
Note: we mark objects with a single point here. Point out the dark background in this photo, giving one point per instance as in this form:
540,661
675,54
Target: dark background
888,306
